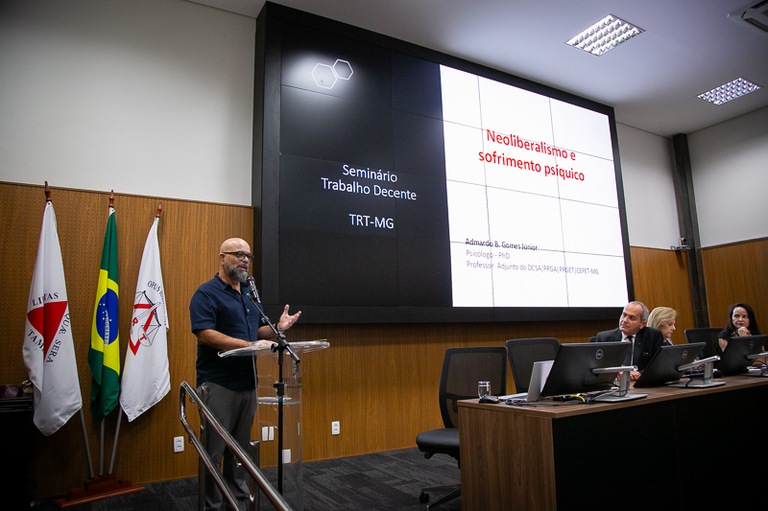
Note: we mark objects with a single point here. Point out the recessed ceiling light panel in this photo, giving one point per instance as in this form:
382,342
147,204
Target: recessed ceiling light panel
604,35
729,91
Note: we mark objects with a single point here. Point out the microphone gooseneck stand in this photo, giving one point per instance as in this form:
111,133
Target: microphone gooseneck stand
280,346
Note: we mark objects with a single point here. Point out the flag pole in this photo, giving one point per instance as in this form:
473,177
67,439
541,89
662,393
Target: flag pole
114,442
101,448
87,445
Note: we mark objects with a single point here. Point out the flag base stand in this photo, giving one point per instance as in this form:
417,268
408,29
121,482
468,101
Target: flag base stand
96,489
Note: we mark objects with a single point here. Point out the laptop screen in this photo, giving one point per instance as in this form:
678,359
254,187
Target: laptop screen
663,366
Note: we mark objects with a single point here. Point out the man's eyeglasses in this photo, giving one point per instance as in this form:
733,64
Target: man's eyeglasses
240,255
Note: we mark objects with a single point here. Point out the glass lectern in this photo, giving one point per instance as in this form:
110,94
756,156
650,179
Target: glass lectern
277,426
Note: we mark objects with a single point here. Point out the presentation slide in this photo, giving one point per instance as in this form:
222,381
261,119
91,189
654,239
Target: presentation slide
412,190
532,204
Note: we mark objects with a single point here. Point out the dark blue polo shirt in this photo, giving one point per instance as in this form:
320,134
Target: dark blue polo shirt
215,305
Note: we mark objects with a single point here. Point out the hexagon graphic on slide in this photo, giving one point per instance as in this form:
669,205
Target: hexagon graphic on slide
343,69
326,76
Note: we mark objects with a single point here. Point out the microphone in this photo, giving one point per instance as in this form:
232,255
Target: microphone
280,343
252,291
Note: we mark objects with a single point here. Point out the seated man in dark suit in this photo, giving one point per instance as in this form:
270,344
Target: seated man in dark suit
646,340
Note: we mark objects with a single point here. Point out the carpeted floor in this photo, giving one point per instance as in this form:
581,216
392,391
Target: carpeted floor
383,481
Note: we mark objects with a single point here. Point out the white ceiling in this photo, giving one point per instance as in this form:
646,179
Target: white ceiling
688,47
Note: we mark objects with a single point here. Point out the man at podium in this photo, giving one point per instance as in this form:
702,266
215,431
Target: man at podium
224,316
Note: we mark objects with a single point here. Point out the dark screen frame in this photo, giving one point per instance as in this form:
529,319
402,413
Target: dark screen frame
266,193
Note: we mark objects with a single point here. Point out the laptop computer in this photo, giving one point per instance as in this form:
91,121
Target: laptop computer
539,375
735,359
662,368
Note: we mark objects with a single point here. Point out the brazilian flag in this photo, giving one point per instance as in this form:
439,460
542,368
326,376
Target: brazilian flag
104,355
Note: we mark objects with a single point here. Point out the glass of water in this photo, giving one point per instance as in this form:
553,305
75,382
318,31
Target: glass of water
483,389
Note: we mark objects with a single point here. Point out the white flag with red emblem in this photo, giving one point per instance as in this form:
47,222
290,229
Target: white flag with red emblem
48,350
146,378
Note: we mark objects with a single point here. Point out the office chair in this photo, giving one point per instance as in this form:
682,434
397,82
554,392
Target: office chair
524,352
703,334
462,369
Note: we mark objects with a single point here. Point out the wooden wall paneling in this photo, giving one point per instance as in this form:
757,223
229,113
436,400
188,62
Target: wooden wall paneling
189,237
661,279
737,273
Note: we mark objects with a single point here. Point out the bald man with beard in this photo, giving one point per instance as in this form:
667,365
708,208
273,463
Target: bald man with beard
223,317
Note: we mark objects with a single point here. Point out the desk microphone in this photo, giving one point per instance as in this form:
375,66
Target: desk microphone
252,291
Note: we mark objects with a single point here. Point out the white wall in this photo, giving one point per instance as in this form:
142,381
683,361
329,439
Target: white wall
730,179
148,97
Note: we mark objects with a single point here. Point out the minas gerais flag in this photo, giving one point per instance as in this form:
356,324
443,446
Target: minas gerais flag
49,350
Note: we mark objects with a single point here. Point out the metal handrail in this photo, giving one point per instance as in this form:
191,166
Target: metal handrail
271,493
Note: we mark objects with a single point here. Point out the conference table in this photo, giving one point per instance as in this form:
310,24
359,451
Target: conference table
677,448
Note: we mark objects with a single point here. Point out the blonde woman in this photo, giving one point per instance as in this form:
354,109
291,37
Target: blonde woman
663,319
